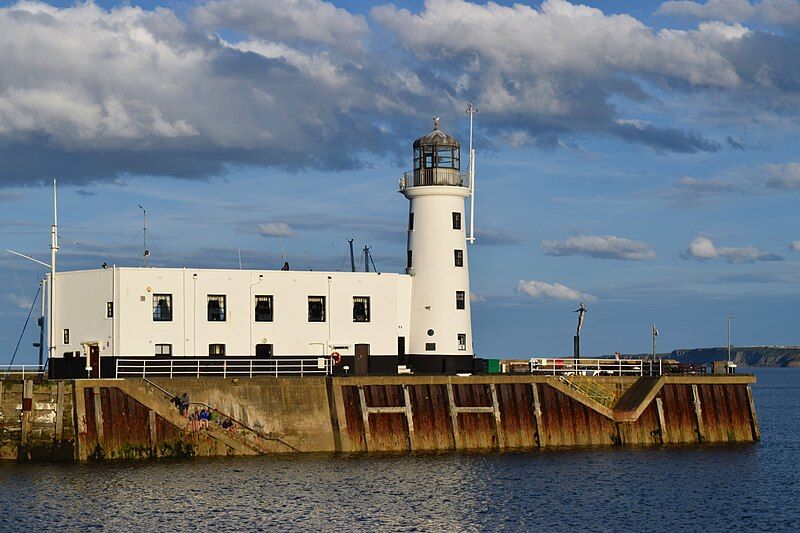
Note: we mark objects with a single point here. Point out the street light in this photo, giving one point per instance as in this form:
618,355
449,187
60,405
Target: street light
730,317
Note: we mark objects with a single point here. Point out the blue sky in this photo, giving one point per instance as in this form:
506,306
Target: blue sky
641,156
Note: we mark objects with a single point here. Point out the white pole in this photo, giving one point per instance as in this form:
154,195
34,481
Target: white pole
730,317
51,334
471,109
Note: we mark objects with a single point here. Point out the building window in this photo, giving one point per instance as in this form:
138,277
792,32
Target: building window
460,300
430,346
66,336
360,308
459,257
162,307
110,310
456,220
216,349
216,308
264,350
316,309
163,349
264,308
408,260
411,222
462,341
401,346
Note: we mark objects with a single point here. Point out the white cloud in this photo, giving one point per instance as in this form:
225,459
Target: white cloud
703,248
476,297
555,291
782,13
599,247
19,301
784,177
309,20
795,246
275,229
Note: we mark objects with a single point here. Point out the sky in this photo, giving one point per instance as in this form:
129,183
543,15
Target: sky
638,156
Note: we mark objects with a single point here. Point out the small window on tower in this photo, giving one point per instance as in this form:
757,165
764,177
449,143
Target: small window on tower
264,308
430,346
316,309
360,308
216,349
460,299
66,336
216,308
264,351
456,220
163,349
411,222
462,341
162,307
459,257
109,309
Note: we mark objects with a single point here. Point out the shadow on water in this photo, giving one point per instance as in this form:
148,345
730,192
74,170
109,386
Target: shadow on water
709,488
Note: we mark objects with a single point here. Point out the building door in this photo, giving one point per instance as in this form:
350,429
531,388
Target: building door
94,361
362,359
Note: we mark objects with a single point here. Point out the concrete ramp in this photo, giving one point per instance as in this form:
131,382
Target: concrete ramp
636,399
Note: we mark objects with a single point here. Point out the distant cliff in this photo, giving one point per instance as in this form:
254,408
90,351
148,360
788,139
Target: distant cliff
742,355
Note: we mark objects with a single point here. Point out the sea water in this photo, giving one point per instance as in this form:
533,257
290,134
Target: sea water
695,488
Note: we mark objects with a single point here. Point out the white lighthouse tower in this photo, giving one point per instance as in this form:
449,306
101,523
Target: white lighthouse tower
441,327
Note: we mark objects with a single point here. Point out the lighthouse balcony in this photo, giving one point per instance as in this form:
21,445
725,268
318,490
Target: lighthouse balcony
425,177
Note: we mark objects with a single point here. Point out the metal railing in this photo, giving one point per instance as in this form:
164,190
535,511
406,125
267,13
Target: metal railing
142,368
596,367
23,371
434,176
592,389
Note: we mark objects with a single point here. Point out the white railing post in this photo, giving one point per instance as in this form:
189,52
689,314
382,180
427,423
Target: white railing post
198,368
301,368
116,368
251,368
224,369
144,368
170,368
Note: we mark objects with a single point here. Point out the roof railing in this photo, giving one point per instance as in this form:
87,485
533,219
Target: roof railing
425,177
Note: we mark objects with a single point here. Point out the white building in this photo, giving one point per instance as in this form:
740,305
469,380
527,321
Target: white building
374,320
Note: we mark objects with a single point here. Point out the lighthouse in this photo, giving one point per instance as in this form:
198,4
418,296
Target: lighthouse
441,327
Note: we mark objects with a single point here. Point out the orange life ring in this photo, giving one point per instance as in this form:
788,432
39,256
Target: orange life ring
336,358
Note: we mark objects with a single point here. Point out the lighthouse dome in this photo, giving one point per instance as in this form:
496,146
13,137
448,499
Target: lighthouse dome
437,138
437,150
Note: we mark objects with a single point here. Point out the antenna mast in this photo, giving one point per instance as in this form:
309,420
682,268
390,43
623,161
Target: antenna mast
471,110
366,258
51,326
145,251
352,257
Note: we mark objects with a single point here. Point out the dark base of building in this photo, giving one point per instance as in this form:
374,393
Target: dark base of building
75,367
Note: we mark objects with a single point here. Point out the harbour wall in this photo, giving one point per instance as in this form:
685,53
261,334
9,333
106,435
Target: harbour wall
105,419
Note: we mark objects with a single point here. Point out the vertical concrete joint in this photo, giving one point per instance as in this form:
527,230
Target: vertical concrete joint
537,414
365,416
451,404
662,424
409,418
754,427
496,410
698,413
59,421
98,415
151,425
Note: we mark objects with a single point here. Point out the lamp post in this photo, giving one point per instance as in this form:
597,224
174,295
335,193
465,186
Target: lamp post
730,318
655,334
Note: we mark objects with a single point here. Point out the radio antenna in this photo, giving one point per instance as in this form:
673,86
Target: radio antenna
145,251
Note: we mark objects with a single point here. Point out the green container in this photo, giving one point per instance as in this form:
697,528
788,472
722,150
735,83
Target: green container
494,366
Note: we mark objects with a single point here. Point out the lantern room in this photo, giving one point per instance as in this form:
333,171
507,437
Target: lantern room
437,160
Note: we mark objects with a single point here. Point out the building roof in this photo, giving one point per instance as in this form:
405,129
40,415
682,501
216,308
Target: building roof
437,138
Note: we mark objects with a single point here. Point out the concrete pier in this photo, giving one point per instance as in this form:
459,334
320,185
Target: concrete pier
134,418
